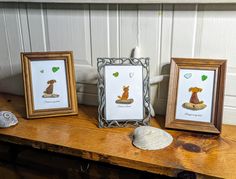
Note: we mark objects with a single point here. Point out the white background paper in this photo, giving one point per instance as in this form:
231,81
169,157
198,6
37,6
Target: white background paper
184,95
128,76
41,73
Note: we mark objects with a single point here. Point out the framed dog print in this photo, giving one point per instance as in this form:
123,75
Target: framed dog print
123,88
49,84
196,93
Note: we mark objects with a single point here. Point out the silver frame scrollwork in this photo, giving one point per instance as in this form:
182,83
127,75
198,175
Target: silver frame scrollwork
101,63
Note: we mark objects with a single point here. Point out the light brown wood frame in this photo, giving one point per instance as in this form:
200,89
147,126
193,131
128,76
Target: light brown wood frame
219,66
67,56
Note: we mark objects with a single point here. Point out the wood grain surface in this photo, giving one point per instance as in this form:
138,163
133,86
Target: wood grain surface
205,154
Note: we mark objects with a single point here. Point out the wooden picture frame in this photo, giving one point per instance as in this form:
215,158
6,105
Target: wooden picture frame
123,92
196,95
49,84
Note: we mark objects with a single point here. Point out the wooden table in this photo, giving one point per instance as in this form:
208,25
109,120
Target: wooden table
207,155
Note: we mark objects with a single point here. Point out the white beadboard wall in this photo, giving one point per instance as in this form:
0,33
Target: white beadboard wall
161,31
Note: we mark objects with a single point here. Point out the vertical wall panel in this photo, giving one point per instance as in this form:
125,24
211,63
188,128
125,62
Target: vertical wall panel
5,67
37,27
184,25
99,31
25,36
114,38
13,29
230,80
231,85
166,34
218,38
10,47
128,29
165,56
66,29
229,115
148,23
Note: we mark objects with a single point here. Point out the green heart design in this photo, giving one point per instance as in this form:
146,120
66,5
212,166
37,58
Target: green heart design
55,69
204,77
116,74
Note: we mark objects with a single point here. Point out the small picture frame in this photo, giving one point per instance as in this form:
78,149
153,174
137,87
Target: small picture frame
123,92
49,84
196,95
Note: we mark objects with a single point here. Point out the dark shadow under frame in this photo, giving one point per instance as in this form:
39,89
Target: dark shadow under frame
101,63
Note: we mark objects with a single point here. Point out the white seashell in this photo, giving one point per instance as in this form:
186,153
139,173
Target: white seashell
7,119
151,138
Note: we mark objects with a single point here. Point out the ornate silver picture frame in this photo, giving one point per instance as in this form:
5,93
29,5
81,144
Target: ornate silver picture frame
123,92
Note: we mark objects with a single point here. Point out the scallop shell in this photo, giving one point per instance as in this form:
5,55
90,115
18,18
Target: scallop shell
151,138
7,119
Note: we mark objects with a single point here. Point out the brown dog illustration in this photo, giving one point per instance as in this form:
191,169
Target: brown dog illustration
124,98
194,97
125,94
49,89
194,102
